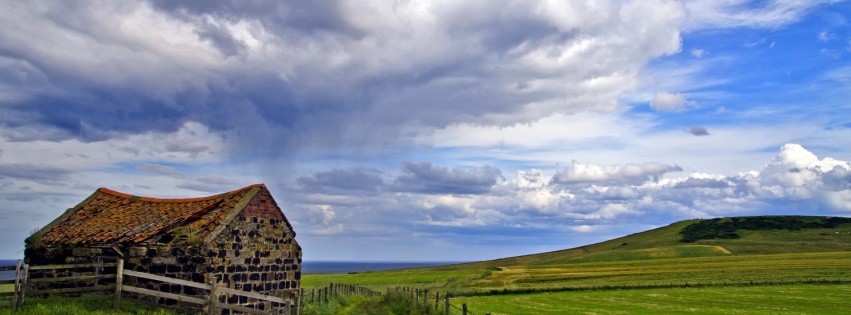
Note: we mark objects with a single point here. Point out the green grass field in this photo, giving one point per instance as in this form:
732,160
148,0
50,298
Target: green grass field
719,270
741,272
85,308
786,299
731,290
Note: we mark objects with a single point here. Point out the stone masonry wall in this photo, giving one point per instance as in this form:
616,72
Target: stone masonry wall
257,251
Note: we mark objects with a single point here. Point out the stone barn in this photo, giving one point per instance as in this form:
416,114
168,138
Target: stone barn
241,238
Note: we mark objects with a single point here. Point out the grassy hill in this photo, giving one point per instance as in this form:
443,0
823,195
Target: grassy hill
753,235
727,250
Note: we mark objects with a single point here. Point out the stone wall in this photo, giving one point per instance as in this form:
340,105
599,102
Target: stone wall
255,252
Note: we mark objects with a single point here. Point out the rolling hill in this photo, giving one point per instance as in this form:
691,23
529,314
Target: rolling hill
733,254
744,236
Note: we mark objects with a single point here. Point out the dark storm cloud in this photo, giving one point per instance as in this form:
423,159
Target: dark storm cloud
35,173
698,131
284,76
837,179
221,39
360,179
281,16
423,177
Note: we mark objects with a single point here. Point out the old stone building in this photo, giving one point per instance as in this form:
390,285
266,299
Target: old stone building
241,238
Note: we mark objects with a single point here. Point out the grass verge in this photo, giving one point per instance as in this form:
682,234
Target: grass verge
87,307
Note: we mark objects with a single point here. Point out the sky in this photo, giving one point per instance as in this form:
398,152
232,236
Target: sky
414,130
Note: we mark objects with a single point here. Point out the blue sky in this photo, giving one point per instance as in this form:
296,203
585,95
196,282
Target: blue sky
431,130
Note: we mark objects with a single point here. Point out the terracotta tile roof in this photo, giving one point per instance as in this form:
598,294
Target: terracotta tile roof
109,217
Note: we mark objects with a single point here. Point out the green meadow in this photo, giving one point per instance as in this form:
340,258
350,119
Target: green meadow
756,265
785,299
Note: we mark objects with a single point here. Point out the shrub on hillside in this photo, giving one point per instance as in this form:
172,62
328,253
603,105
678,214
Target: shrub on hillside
726,228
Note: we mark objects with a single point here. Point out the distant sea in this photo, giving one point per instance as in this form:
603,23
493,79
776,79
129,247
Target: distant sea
314,267
8,274
337,267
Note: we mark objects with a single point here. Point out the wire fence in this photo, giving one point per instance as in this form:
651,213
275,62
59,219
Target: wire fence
442,303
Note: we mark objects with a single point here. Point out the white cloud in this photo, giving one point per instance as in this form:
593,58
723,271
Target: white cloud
618,195
322,213
698,53
613,211
670,102
630,173
548,131
742,13
584,228
826,36
331,230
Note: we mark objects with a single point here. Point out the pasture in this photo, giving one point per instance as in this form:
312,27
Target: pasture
785,299
763,269
716,270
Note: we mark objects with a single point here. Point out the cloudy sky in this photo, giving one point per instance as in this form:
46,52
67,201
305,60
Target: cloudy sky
430,130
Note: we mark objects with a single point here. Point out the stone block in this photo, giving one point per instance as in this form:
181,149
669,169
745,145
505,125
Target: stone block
81,251
164,260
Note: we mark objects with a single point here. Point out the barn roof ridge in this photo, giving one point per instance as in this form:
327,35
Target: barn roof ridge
109,216
154,199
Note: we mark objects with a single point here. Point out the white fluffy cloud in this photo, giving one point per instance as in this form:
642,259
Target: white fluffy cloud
794,182
585,197
579,173
670,102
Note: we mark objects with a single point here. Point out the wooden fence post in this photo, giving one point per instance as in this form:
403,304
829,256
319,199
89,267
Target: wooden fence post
287,308
119,277
417,301
436,301
299,302
211,309
17,288
23,290
446,303
464,309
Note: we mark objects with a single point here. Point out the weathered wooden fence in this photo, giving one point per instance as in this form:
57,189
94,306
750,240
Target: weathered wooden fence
89,278
11,298
68,280
324,294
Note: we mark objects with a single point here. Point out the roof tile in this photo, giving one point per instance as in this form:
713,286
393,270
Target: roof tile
115,217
